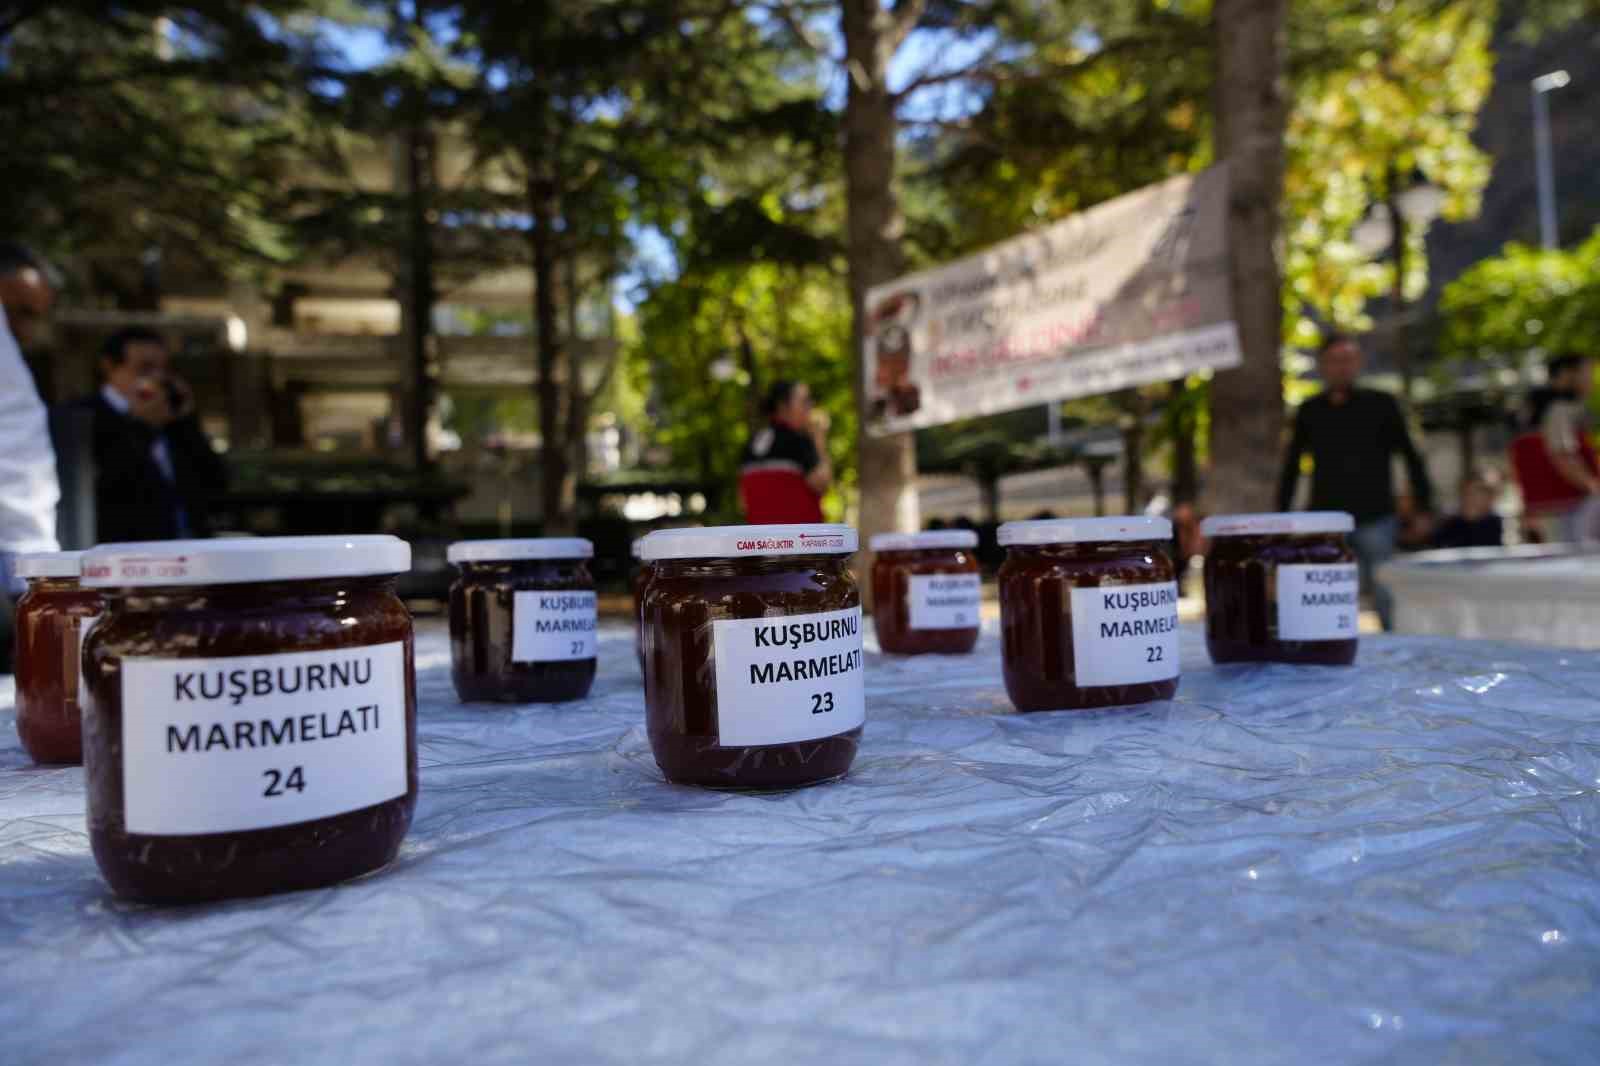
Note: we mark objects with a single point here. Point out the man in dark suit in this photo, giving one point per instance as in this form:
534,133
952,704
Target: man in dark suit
156,471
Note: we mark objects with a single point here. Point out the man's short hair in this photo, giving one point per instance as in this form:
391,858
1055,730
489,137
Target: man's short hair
15,258
778,394
1333,340
1562,363
115,348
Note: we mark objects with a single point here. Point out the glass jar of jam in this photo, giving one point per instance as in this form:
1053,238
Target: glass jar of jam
926,592
1282,588
752,639
523,620
52,618
251,725
1088,613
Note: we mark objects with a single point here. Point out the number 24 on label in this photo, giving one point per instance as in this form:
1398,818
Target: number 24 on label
278,783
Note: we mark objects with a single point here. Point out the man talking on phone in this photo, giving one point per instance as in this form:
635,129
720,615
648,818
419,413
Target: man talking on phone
155,469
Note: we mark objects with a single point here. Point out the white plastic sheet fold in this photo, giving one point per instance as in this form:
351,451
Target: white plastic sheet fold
1393,863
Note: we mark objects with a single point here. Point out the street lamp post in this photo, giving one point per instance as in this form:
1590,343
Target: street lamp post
1544,83
1384,231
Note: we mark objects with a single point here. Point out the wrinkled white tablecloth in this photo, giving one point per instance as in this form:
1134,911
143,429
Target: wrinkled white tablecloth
1394,863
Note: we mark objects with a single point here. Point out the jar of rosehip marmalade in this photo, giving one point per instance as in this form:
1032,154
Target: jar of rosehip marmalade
641,581
752,638
523,621
926,592
251,726
1282,588
1088,613
52,617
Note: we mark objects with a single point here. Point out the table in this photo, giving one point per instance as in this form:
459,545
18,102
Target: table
1395,862
1544,594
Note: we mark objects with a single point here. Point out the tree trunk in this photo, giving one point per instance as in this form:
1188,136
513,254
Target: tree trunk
1185,452
557,507
887,466
1247,402
420,294
989,485
1097,485
1133,406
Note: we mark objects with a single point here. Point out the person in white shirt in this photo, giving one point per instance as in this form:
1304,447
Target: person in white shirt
28,488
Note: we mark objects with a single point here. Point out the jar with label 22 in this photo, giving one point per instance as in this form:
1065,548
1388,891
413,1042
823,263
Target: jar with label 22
523,620
1088,613
52,616
1282,588
248,736
926,592
753,662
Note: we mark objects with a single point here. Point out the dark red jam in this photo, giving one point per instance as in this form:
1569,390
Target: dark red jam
1282,588
248,737
753,661
52,617
641,581
1088,613
926,594
523,620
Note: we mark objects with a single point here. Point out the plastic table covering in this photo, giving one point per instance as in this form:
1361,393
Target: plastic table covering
1394,862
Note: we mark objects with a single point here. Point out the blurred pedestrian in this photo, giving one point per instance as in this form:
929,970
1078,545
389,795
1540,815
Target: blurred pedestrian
1476,525
1570,471
785,469
1352,435
155,470
28,487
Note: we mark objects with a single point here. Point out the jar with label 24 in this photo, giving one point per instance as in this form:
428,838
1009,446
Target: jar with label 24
753,655
523,620
926,592
1088,613
1282,588
252,726
52,617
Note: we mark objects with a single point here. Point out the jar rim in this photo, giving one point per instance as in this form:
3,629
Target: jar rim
47,564
1044,532
744,542
1285,523
243,560
519,549
931,538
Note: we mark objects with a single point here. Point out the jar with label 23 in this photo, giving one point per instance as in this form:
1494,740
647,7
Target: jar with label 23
926,592
753,655
252,726
523,620
1088,613
52,617
1282,588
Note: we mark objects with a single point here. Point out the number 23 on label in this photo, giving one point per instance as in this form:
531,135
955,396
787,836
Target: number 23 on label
821,702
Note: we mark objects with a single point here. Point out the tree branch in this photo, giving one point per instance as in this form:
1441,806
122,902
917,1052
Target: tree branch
903,19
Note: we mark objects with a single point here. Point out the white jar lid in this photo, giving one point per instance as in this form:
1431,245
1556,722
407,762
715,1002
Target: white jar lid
1287,523
739,542
933,538
242,560
47,564
519,550
1084,530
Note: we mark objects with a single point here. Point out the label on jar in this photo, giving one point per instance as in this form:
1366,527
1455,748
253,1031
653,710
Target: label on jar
553,626
1319,602
1125,634
786,679
255,741
944,601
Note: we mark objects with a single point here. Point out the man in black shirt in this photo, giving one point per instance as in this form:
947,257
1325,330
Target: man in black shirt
1352,435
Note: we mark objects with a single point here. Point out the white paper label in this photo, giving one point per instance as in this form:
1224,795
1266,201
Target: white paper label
1125,634
1319,602
781,680
250,742
944,601
553,626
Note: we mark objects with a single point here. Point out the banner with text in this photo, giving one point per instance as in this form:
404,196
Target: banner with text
1133,290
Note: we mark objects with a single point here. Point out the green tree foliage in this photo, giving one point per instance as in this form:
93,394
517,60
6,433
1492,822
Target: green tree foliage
1525,300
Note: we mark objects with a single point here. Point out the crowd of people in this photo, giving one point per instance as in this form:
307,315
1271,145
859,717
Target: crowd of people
154,467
